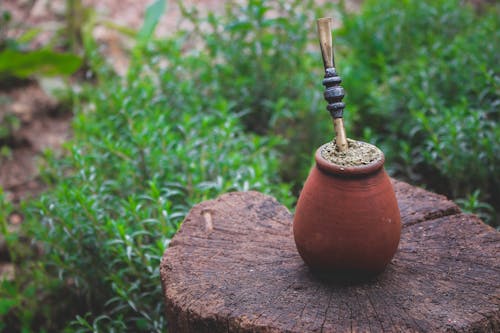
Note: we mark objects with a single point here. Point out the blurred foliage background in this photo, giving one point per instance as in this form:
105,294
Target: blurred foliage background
235,103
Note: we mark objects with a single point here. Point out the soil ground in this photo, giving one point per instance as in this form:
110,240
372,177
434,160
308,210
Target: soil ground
44,124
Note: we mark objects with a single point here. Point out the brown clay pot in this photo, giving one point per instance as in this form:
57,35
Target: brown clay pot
347,218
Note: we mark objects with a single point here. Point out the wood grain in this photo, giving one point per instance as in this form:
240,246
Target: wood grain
233,267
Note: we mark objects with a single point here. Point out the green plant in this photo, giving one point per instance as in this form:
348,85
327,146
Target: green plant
5,209
15,292
140,164
422,82
18,61
473,205
8,124
39,62
258,55
146,148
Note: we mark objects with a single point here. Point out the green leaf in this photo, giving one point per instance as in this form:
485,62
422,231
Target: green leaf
6,304
28,35
153,14
42,62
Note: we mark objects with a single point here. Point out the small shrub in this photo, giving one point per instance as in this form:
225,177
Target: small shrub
145,150
422,82
472,204
263,57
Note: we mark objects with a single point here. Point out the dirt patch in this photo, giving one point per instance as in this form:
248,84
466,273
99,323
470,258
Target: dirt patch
44,124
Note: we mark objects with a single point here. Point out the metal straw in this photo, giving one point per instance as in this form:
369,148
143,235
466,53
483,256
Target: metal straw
334,93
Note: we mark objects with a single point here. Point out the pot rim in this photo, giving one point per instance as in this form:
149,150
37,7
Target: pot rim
336,169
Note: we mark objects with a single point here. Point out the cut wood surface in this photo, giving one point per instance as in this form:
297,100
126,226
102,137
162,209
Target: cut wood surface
233,267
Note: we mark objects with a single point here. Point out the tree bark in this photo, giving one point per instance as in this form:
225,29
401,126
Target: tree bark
233,267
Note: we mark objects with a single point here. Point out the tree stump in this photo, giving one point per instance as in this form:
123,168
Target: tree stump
233,267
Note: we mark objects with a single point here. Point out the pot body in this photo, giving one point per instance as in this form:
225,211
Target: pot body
347,219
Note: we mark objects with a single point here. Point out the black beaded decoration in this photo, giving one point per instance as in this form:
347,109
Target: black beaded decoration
334,93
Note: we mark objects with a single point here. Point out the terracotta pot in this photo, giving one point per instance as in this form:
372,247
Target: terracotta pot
347,218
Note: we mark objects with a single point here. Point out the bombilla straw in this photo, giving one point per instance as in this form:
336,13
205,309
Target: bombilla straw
334,93
325,41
